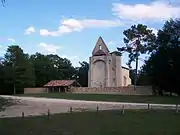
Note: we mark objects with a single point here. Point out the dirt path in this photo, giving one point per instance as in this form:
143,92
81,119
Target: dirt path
32,106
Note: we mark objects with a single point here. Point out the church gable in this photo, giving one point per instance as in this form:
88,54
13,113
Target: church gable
100,48
106,69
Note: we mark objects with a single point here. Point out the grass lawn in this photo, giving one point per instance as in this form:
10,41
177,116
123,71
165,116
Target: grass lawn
91,123
108,97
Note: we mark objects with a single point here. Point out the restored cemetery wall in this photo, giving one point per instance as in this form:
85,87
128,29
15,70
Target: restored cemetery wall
140,90
35,90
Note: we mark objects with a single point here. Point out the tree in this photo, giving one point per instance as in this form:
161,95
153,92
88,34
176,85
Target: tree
51,67
41,65
164,63
132,75
18,71
143,79
1,78
66,68
82,74
138,40
3,2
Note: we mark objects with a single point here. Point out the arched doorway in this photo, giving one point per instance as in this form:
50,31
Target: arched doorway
99,73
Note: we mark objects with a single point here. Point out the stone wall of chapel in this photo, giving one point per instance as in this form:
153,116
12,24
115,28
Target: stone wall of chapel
113,70
98,72
106,71
125,77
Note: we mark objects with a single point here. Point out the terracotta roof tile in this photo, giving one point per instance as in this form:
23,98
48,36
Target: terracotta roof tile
59,83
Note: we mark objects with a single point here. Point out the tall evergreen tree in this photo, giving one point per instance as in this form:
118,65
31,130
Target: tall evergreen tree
138,40
18,71
164,63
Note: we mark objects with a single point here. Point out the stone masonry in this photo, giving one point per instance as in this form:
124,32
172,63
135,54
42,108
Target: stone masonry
105,69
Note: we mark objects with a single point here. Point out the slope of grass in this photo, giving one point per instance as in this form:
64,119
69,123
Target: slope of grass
108,97
91,123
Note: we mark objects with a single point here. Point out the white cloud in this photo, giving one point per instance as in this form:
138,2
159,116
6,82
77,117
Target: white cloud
49,48
155,11
72,25
3,50
74,59
11,39
29,30
173,2
155,31
44,32
110,43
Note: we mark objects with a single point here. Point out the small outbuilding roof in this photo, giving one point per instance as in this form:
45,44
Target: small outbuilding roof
126,68
56,83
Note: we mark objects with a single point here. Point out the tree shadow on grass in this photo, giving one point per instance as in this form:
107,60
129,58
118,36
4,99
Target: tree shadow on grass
4,102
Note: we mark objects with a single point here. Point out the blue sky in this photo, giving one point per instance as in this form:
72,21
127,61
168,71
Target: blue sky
70,28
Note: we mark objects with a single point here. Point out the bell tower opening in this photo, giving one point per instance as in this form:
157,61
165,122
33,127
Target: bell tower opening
100,47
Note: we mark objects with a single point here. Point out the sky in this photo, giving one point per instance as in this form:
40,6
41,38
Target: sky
70,28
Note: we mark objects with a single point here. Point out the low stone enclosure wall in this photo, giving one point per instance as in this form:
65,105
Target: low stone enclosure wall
140,90
34,90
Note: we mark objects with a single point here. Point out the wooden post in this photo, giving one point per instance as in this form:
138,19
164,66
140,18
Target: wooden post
97,108
48,114
123,109
22,114
70,109
14,88
148,107
177,108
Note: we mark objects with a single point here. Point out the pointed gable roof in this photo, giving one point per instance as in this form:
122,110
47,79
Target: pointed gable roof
100,47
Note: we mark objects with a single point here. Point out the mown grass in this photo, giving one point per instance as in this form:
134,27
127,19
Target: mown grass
92,123
109,97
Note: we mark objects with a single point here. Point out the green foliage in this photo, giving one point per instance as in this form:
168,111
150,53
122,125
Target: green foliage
3,2
82,74
51,67
132,74
138,40
19,70
161,70
163,65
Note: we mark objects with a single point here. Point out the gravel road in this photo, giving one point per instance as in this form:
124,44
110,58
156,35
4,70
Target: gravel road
32,106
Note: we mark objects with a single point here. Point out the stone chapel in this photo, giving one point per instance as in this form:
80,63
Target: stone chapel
105,69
